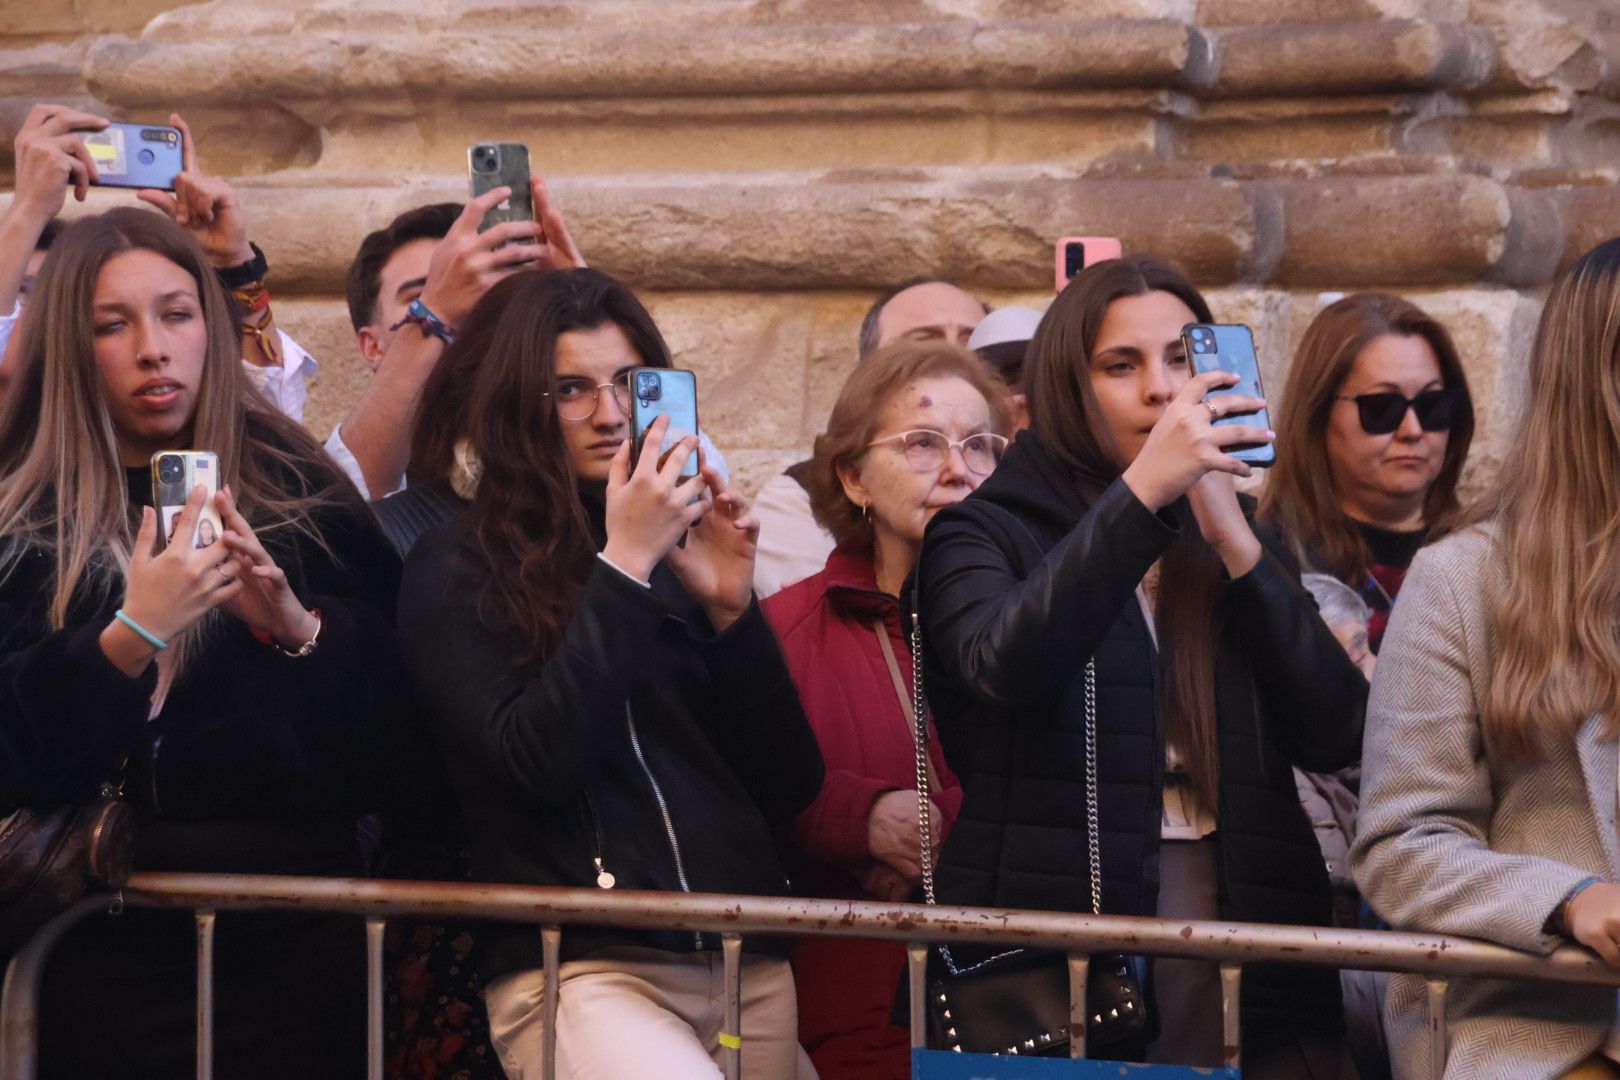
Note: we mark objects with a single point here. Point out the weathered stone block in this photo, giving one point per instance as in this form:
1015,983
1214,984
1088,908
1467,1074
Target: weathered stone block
1357,57
1404,231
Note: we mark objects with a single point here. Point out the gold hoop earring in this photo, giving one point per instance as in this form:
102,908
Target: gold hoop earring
866,513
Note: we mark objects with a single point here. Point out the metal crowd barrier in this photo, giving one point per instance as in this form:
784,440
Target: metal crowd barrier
1231,945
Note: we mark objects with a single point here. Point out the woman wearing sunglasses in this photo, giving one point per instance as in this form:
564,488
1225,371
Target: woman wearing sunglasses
1371,438
916,428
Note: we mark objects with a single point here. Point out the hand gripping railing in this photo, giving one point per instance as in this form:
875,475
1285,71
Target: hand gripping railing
1231,945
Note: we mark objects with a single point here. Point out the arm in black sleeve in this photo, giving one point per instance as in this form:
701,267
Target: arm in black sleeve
1313,695
539,732
995,634
67,715
758,720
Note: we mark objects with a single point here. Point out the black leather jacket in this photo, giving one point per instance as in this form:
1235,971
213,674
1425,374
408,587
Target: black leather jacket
646,746
1022,582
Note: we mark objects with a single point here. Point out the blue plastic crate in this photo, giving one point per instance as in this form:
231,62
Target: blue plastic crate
948,1065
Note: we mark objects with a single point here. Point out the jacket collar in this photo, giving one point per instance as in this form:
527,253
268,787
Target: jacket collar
849,584
1032,483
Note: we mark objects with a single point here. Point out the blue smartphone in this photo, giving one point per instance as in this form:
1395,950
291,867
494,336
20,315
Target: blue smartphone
136,155
1218,347
656,392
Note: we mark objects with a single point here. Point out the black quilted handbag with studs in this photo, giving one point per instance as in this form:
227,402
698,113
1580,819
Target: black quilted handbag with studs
1017,1002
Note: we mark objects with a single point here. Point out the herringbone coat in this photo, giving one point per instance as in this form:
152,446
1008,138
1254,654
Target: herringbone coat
1453,841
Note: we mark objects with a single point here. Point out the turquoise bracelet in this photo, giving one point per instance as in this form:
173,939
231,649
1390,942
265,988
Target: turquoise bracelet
151,639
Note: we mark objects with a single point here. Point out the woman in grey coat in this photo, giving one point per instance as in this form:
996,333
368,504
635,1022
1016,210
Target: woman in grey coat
1490,764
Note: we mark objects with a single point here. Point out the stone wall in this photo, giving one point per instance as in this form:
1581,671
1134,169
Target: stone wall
759,168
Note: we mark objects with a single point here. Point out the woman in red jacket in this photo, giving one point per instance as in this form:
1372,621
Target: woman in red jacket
916,428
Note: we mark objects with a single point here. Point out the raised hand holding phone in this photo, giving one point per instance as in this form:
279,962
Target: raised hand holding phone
166,592
649,506
206,206
1186,443
467,262
717,564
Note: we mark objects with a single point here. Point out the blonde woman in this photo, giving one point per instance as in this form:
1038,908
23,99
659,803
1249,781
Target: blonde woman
1489,793
246,692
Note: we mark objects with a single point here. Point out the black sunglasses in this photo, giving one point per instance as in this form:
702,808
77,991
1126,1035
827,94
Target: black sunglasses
1382,413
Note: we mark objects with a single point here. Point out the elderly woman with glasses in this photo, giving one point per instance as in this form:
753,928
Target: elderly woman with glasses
915,429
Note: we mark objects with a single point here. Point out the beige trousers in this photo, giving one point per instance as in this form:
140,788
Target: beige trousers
628,1013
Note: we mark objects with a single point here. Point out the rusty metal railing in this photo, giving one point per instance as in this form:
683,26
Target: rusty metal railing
1231,945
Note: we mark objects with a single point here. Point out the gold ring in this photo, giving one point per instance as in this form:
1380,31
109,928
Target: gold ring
1214,413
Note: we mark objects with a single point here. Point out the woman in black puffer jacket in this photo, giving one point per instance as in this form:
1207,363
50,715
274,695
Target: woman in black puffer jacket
1112,531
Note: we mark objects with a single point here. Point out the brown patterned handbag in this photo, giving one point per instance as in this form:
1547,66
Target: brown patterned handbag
50,859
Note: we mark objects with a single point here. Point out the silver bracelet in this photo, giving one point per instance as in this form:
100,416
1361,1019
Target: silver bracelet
307,647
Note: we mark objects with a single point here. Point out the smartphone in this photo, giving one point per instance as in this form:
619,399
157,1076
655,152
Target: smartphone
174,474
136,155
502,164
656,392
1218,347
1075,253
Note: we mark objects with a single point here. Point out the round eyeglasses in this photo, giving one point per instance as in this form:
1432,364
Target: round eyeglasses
1383,412
577,399
927,450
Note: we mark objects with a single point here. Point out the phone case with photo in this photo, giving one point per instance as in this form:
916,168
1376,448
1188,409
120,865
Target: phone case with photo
174,474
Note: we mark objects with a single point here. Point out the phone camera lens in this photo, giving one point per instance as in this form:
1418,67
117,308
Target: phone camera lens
647,386
171,470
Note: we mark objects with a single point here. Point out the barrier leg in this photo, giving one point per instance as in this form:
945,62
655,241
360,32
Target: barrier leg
917,969
1231,1028
1079,976
1437,1026
205,995
731,1037
19,1000
551,948
374,998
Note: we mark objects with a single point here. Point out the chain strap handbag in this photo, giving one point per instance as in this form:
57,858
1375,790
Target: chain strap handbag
1017,1002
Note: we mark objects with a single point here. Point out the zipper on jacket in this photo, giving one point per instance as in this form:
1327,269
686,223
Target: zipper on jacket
604,877
157,808
663,807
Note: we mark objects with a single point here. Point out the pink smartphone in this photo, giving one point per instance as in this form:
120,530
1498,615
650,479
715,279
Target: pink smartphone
1075,253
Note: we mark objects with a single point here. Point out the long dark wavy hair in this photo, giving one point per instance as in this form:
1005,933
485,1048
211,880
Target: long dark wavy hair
1069,422
529,525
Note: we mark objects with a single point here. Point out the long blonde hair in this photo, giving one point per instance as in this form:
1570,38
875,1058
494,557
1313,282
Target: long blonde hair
1556,608
62,489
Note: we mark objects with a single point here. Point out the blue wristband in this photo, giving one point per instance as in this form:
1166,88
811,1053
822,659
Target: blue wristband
151,639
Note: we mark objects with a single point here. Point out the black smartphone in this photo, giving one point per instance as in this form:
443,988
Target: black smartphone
1230,347
656,392
136,155
502,164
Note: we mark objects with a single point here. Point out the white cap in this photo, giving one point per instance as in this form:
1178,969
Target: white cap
1004,326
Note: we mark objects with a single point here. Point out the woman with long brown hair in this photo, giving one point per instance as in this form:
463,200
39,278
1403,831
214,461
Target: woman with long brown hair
1489,789
1111,537
1372,434
245,693
614,709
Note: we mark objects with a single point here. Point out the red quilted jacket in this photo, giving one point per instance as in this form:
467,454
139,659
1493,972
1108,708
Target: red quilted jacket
826,624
